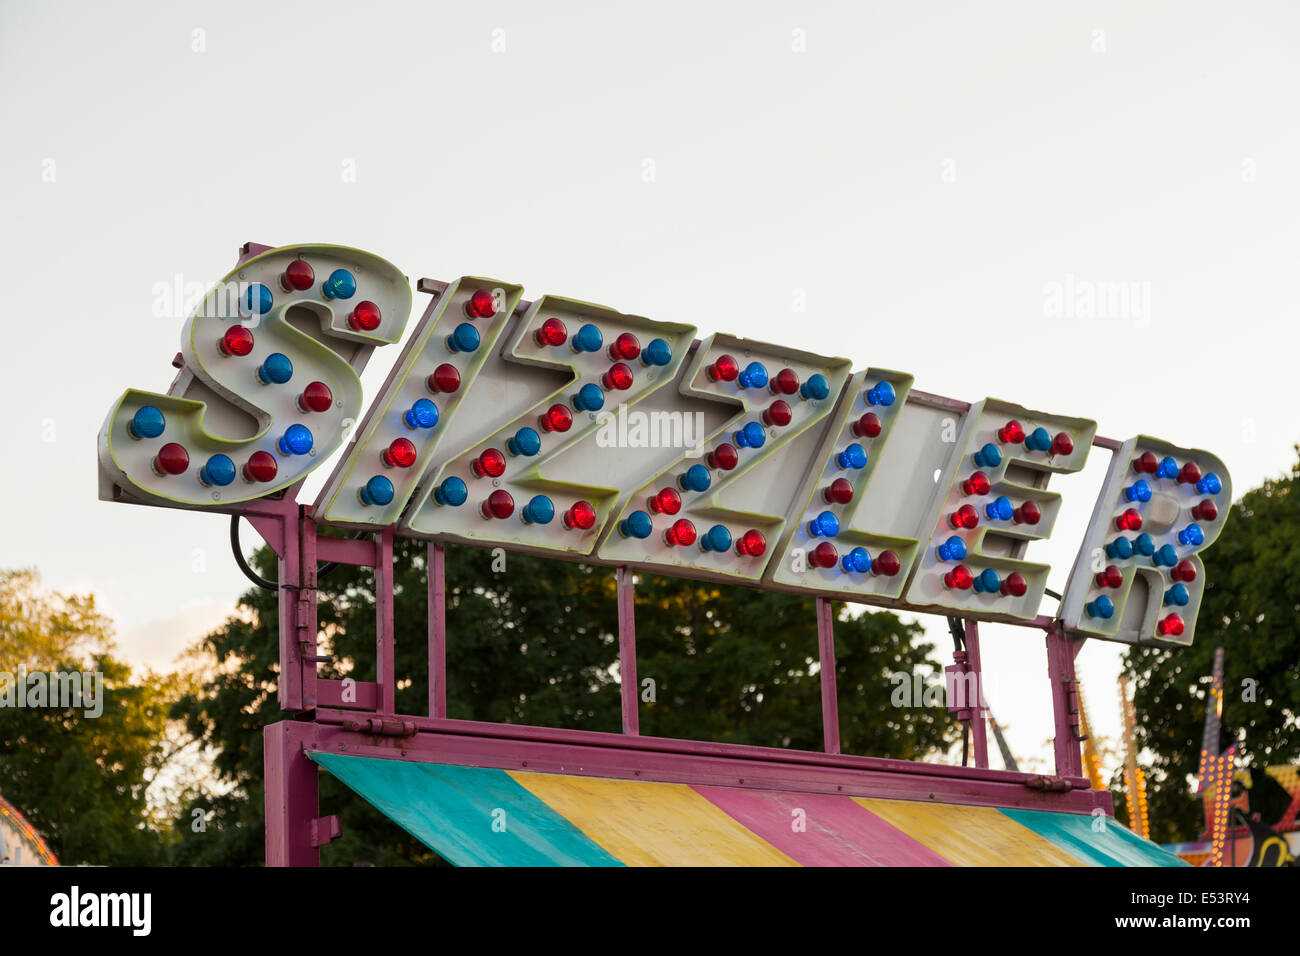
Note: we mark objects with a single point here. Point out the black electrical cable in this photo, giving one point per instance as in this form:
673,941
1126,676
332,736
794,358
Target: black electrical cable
252,575
957,628
1050,593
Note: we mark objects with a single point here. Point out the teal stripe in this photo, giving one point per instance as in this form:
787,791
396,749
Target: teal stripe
1113,845
452,810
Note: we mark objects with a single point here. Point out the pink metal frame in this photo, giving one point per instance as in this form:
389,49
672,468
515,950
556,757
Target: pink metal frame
361,718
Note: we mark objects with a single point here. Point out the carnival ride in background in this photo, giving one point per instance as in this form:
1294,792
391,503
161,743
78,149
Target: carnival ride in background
540,427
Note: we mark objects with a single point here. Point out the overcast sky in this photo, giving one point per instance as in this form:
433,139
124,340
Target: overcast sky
930,178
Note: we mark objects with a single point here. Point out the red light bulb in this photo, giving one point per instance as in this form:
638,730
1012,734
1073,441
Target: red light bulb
824,555
481,305
552,332
1112,577
959,579
724,457
1207,510
365,317
667,502
316,397
784,382
400,454
976,484
499,504
751,544
1062,444
491,463
1190,474
964,517
1028,513
172,459
298,277
1171,626
625,347
778,414
260,466
1146,463
1130,520
557,418
1014,585
618,378
681,533
581,516
723,369
840,492
1184,570
237,341
868,426
1012,433
445,378
886,563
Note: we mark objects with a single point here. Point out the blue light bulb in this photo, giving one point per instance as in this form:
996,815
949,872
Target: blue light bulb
954,549
1165,556
987,582
816,388
1000,509
423,414
464,338
751,436
589,398
1209,485
341,284
753,375
147,422
1103,607
716,538
1138,491
451,492
656,352
1038,440
1120,548
587,339
539,510
377,491
276,370
219,471
856,560
825,525
1177,595
296,440
1168,468
257,299
696,478
1143,545
636,525
1192,535
526,442
882,393
853,456
988,456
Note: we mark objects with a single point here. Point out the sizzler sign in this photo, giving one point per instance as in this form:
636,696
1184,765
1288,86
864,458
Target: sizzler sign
568,429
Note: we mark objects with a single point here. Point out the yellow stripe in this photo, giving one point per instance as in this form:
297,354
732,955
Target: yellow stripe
652,824
970,836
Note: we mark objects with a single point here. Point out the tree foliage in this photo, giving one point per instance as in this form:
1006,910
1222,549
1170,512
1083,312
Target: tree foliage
535,642
1250,608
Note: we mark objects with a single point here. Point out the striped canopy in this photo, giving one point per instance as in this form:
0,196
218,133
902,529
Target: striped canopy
477,816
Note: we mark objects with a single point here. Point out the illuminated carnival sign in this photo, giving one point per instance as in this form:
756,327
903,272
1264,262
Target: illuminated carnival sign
568,429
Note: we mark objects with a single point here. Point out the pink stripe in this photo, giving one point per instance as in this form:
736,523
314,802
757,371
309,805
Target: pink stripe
838,831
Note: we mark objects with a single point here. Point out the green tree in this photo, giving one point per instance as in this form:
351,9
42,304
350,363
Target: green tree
80,780
537,643
1250,608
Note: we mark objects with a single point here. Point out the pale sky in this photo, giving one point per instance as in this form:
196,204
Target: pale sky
924,175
